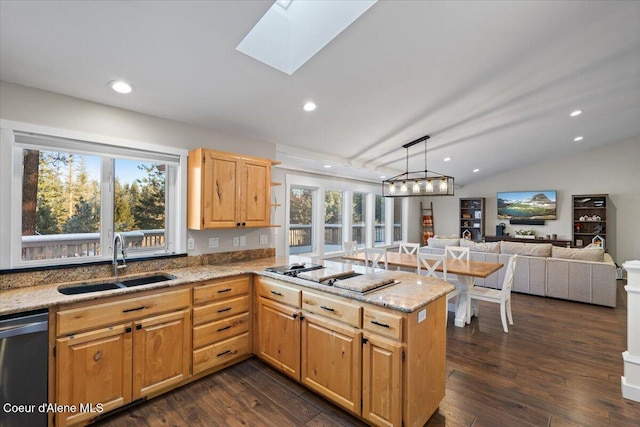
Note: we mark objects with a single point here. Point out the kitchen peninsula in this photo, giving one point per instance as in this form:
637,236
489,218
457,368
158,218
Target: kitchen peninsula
382,352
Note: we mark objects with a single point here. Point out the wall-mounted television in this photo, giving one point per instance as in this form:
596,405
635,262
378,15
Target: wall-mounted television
527,205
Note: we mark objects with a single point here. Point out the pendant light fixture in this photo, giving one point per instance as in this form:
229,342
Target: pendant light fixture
418,183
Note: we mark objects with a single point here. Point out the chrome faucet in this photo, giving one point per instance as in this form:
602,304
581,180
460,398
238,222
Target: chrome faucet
118,237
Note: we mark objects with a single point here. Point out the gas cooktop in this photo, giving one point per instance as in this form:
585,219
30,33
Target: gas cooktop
294,269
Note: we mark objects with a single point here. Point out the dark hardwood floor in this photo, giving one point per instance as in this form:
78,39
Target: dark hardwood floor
559,365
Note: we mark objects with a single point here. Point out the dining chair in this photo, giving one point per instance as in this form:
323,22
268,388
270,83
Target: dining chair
350,247
430,262
376,256
408,248
457,252
498,296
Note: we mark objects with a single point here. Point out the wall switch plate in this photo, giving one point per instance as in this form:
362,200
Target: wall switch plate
191,244
422,315
264,239
243,240
213,242
236,241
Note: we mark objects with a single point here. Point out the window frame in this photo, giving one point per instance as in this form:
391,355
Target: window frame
86,143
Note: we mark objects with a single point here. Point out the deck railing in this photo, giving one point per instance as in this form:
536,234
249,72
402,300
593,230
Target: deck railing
52,246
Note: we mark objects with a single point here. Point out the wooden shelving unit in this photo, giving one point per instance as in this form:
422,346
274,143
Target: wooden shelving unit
426,216
472,218
592,216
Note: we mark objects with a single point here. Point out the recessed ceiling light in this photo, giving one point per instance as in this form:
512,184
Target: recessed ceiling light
476,170
447,159
576,113
120,86
383,176
309,106
578,138
327,166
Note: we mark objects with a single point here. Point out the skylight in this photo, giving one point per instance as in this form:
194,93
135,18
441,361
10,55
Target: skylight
292,31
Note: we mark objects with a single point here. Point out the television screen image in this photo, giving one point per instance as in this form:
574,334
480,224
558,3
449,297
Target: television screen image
527,205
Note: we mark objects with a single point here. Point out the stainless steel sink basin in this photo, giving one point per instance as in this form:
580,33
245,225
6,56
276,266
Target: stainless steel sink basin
111,285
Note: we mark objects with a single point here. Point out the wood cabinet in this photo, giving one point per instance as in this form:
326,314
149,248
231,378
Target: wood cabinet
226,190
381,380
471,221
221,323
384,366
331,366
593,216
113,352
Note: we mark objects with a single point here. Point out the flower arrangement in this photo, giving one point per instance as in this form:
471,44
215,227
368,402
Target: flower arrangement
525,233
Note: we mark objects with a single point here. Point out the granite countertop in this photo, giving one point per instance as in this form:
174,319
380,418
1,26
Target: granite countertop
408,293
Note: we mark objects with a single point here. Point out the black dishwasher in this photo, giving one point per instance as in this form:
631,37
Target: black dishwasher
23,368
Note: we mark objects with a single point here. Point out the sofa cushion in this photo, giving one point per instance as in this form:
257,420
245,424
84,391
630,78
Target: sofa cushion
586,254
442,243
493,247
528,249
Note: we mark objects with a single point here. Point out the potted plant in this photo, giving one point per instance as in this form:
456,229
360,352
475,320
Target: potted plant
526,234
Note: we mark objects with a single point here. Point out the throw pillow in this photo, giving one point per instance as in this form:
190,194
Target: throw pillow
442,243
586,254
493,247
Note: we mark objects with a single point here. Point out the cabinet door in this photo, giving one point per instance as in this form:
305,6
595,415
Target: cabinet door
255,193
279,336
93,368
381,381
161,349
220,191
331,364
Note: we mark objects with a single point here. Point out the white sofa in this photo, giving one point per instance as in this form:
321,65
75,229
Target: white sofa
584,275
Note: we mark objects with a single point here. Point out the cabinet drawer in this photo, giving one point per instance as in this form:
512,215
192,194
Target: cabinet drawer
220,310
110,313
219,353
382,323
213,332
273,290
219,289
332,308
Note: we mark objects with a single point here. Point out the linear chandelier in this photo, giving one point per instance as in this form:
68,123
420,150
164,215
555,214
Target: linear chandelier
418,183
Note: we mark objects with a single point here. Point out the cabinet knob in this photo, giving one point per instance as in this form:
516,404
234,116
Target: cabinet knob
244,223
97,356
237,224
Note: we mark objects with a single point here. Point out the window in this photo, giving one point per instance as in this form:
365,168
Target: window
300,220
397,219
332,221
73,195
378,230
358,224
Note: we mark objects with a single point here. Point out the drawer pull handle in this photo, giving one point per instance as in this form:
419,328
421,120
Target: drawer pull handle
97,356
222,310
224,328
221,291
226,352
133,309
276,293
328,308
380,324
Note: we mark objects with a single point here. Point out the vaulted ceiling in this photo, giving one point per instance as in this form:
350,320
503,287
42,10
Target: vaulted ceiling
493,83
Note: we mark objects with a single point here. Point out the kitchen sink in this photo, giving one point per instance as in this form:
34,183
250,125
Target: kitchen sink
111,285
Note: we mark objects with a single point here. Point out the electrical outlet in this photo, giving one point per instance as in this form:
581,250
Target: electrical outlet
213,242
191,244
236,241
264,239
243,240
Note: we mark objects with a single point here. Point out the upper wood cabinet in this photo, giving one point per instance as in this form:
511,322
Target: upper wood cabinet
226,190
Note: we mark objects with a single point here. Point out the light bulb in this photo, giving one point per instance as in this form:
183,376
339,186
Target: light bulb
392,188
443,185
416,187
429,187
403,187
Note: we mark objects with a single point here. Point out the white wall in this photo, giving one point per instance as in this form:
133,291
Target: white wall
613,169
34,106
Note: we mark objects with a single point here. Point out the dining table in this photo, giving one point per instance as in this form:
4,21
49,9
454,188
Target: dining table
465,270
